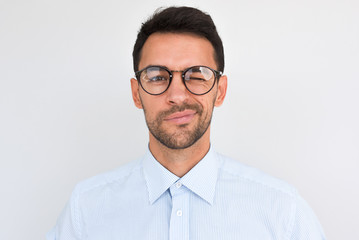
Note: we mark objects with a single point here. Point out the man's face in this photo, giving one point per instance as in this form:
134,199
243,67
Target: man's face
178,118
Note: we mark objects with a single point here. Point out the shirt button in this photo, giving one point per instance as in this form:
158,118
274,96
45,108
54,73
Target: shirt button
178,184
179,213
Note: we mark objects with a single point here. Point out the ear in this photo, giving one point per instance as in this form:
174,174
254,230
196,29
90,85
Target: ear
135,93
221,91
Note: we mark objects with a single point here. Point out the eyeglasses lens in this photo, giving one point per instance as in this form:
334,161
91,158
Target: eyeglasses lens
199,80
155,80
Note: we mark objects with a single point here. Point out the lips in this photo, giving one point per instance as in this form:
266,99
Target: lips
181,117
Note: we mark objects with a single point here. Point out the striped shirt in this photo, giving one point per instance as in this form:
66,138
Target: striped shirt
218,199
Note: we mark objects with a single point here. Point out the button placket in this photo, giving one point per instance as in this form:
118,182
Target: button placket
179,222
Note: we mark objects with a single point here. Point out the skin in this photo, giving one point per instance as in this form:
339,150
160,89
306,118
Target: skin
177,112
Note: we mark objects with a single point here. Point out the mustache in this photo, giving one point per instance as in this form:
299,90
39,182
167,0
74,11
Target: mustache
179,108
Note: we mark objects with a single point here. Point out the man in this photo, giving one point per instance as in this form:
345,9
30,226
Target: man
182,188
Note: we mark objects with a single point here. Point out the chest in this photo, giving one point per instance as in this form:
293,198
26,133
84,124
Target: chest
185,217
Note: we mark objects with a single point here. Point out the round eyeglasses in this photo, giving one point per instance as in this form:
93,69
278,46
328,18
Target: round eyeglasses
198,80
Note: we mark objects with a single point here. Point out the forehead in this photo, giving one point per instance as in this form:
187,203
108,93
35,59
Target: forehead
177,51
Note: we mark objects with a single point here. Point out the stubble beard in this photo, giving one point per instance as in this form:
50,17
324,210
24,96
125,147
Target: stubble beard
182,138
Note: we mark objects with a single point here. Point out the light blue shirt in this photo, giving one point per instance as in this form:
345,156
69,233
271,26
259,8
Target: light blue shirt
217,199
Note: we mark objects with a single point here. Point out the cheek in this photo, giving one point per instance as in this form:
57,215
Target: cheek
150,107
208,102
146,101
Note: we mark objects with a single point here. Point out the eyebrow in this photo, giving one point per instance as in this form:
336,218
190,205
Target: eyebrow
171,70
156,66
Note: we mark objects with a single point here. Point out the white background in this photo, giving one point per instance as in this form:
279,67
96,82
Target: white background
66,112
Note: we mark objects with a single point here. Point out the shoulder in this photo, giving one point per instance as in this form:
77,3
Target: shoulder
254,178
271,196
267,196
114,177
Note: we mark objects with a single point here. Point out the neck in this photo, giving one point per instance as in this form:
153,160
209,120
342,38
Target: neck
180,161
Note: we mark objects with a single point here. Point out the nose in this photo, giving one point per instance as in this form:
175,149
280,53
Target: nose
177,92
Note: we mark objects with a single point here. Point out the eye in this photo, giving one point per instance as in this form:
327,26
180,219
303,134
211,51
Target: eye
196,78
198,74
157,78
156,75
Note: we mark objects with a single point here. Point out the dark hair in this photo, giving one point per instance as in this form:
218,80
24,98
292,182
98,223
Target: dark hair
180,20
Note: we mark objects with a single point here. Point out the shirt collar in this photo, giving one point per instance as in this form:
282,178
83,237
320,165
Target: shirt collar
201,179
158,178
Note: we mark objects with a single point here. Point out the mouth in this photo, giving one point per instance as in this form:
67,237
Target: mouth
183,117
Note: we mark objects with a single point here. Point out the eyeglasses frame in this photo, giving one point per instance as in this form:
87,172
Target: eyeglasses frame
217,75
